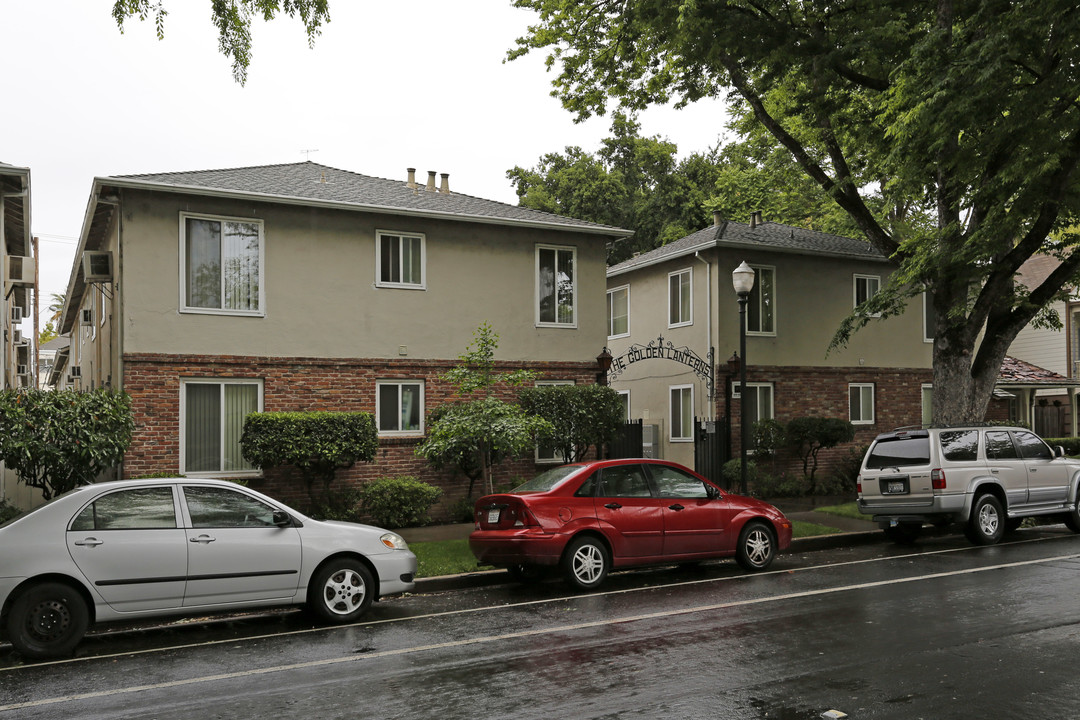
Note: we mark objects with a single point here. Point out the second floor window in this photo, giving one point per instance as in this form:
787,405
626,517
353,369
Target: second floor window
221,261
866,287
761,310
680,307
399,259
618,311
556,285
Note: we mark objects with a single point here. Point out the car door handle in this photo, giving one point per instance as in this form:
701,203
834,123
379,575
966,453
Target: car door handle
613,506
204,539
676,507
1031,469
89,542
994,470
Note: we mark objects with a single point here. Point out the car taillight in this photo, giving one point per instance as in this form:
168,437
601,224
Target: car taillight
522,516
937,479
858,485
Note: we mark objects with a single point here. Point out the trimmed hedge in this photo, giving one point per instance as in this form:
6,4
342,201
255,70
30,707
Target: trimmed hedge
396,502
1071,444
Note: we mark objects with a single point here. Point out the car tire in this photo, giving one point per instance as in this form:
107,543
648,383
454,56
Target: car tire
585,563
904,533
1072,517
756,548
341,591
526,573
47,620
987,522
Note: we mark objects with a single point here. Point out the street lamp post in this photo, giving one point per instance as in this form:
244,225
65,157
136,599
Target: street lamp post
742,279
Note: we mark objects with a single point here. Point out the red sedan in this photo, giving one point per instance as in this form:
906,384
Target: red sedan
588,518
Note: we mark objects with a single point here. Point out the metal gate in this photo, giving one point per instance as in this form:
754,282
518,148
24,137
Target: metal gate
628,443
711,449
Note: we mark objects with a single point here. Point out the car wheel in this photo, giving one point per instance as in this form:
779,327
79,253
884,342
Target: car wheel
47,620
341,591
585,563
904,533
1072,518
757,547
526,573
987,523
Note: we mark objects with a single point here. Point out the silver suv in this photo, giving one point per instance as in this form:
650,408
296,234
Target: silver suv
986,478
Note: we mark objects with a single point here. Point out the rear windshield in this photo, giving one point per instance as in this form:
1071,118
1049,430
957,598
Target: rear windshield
547,479
899,452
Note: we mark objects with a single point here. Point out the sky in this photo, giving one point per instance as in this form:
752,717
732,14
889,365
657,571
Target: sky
387,86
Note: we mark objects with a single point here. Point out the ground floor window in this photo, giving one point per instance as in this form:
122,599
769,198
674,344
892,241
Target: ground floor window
759,401
861,403
400,409
927,404
682,413
212,416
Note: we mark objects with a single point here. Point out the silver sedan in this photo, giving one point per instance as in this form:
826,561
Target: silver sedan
141,548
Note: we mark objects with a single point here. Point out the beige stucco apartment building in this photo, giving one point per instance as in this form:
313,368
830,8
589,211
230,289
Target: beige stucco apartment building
680,298
207,295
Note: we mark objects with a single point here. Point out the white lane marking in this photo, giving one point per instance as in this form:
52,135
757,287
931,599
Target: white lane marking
521,634
525,603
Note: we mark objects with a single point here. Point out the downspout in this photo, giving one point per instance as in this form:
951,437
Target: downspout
711,415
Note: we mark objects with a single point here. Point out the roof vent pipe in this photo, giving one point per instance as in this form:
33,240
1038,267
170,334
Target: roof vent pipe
755,219
717,218
430,181
411,184
444,186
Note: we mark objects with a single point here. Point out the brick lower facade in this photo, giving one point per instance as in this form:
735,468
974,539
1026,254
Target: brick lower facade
306,384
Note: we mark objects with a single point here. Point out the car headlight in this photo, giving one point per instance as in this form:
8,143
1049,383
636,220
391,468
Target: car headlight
393,541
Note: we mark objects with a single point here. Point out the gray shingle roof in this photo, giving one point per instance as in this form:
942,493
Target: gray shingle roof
766,236
312,183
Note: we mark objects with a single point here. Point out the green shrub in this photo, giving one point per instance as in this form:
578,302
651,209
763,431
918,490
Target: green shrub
343,505
847,469
731,474
396,502
1071,444
810,435
8,511
462,510
778,486
768,437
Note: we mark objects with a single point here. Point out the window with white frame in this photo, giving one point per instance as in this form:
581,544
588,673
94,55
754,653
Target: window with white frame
861,403
618,311
220,265
624,396
761,308
928,317
400,260
758,399
556,286
866,287
400,407
682,413
212,416
680,298
927,404
546,452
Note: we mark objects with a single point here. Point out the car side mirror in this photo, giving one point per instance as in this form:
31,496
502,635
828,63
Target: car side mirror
712,492
282,518
1059,451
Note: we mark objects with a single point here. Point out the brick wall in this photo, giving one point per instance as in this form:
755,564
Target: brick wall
305,384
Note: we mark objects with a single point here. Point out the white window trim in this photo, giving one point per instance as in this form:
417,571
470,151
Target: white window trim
689,289
855,278
627,394
536,452
184,382
927,337
379,282
873,403
754,386
776,310
423,402
929,411
671,416
609,293
261,312
536,279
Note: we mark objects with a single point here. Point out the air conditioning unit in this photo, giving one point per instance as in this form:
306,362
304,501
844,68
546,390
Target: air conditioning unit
75,371
87,316
16,314
97,266
17,338
20,270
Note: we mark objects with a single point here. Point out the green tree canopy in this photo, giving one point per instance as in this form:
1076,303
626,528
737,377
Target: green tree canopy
947,131
233,21
58,440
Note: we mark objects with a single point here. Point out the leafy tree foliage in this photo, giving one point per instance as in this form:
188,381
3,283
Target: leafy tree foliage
58,440
317,444
233,21
479,430
581,416
810,435
948,132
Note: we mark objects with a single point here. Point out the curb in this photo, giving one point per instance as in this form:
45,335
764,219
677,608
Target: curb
487,578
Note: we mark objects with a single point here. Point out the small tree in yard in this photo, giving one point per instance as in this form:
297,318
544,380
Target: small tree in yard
580,415
479,431
56,441
318,444
811,435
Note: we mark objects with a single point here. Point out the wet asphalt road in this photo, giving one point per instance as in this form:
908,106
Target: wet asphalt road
942,630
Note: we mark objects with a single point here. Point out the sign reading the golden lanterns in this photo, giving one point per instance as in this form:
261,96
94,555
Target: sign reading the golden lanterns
661,349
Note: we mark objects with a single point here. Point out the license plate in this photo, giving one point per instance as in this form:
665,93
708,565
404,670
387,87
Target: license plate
896,487
493,516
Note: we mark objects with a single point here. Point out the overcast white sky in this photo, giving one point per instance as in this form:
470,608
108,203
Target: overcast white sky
388,85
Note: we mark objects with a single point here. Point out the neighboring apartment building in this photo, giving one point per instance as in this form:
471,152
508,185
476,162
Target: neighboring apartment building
17,267
671,307
207,295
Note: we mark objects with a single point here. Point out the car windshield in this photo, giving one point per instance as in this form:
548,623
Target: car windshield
547,480
899,452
